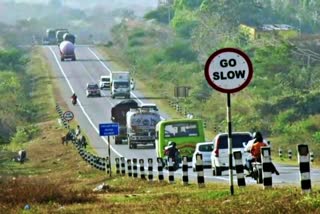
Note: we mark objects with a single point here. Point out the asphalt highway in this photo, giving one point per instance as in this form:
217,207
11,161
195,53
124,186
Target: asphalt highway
73,76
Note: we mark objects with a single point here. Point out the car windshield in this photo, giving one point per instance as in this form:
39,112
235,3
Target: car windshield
237,140
206,148
121,85
93,86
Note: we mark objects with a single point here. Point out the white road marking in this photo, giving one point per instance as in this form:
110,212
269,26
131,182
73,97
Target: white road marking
108,69
83,110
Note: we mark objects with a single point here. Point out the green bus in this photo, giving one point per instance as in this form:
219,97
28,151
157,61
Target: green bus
186,133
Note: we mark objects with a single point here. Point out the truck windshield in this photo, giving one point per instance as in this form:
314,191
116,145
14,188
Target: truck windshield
105,79
121,85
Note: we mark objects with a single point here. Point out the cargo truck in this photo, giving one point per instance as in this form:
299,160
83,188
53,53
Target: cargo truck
141,127
51,36
67,51
120,84
69,37
59,35
119,115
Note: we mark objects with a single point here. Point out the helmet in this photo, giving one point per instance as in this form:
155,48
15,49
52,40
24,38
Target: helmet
257,135
171,143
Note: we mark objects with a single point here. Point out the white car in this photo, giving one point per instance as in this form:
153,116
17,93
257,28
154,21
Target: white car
104,82
151,106
220,156
204,148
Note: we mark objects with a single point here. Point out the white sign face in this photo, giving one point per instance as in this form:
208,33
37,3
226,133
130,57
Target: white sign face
228,70
68,115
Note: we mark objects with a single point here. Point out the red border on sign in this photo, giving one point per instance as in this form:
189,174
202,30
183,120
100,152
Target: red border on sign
241,53
68,112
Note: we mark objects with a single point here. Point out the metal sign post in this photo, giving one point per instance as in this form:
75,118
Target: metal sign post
109,129
229,70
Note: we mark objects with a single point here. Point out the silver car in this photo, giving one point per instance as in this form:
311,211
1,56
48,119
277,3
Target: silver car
204,148
93,89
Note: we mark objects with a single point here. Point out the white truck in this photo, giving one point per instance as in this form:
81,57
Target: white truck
120,84
141,127
105,82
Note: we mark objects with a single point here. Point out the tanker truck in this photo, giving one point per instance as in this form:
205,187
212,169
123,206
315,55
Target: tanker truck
141,127
67,51
69,37
119,115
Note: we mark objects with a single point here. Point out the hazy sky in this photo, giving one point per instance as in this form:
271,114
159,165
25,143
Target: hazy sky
90,3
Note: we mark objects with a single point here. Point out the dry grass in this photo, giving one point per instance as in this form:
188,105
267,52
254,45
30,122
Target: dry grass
55,179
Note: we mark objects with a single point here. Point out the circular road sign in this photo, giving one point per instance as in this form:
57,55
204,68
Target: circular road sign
68,115
228,70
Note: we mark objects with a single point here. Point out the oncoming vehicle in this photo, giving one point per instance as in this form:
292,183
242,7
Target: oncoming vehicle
104,82
93,90
186,133
220,156
204,148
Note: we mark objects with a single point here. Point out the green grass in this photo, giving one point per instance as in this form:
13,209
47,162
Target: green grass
55,179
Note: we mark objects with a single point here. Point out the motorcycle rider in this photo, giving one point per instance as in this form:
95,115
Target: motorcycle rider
74,98
171,151
255,151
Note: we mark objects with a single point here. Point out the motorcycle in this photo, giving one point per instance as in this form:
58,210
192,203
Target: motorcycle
257,172
176,159
73,100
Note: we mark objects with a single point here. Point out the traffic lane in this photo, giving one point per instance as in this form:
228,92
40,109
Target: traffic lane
104,147
97,108
65,90
135,94
72,70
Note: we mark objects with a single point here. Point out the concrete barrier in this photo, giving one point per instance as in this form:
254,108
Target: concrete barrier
117,160
129,167
150,169
142,174
185,178
171,171
304,167
160,169
135,168
267,166
239,168
199,170
123,166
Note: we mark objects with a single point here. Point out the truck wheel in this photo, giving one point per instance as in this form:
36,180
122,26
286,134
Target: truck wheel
73,59
62,59
113,96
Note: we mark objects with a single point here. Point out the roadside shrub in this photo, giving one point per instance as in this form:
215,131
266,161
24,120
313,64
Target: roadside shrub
24,134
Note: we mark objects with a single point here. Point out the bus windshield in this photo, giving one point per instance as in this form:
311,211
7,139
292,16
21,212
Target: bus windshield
185,129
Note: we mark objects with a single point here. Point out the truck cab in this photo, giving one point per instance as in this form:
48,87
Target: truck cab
105,82
120,84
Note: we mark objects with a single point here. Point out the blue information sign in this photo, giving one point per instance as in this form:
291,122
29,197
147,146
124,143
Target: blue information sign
109,129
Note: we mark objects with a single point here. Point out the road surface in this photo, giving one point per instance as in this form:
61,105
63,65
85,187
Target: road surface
73,76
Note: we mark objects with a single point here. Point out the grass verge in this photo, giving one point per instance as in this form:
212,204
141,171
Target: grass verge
56,180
